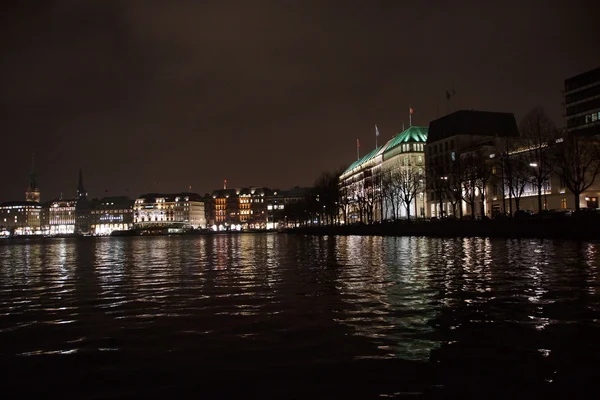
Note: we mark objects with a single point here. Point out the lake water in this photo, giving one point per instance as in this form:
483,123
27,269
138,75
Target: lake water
285,316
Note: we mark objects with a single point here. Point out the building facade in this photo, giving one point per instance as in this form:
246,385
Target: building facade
20,218
388,183
282,207
111,214
582,109
174,211
460,151
582,103
238,209
251,208
61,217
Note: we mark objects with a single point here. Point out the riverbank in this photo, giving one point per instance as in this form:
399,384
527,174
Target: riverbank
563,228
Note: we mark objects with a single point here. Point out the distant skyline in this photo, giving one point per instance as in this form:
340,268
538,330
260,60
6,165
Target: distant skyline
163,95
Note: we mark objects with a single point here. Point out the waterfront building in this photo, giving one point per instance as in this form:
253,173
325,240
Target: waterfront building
45,217
582,103
459,146
251,207
582,106
61,217
111,214
282,204
20,218
371,187
173,211
238,209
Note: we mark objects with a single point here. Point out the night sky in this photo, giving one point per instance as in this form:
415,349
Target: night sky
160,95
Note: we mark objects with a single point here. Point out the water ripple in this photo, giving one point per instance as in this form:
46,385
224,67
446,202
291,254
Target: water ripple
266,301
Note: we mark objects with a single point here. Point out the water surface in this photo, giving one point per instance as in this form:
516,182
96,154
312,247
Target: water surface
284,316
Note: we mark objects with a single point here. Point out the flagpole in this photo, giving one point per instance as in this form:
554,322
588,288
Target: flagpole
376,134
357,151
409,117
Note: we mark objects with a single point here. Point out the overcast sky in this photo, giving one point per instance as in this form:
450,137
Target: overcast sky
163,95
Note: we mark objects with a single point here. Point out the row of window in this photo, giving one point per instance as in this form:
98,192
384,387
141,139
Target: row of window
592,117
439,147
412,147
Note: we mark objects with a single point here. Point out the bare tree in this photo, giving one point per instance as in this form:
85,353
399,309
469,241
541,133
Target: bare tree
436,184
327,191
538,132
578,163
453,189
516,178
409,180
358,196
344,200
389,191
369,198
469,177
484,166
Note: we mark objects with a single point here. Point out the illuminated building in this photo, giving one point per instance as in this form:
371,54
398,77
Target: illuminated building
23,217
238,209
177,211
278,205
365,195
20,218
111,214
453,138
582,103
61,217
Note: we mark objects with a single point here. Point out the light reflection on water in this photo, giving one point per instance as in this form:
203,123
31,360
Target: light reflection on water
287,300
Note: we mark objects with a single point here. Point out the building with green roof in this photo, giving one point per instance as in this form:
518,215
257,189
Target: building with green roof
366,191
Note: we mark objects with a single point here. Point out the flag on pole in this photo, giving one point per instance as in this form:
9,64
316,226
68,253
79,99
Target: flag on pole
357,144
376,130
410,109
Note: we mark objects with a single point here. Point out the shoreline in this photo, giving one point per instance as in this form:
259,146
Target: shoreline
551,228
563,228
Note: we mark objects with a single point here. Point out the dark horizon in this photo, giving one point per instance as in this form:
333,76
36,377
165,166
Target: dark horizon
262,94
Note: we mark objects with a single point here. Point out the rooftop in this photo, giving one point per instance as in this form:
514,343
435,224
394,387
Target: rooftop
169,197
414,134
20,203
470,122
583,79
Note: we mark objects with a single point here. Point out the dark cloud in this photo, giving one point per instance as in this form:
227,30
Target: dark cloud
260,92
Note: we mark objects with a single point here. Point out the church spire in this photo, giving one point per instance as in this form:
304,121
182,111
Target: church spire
32,176
81,193
32,193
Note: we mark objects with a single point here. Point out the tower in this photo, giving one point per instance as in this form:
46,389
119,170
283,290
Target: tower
81,193
32,193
